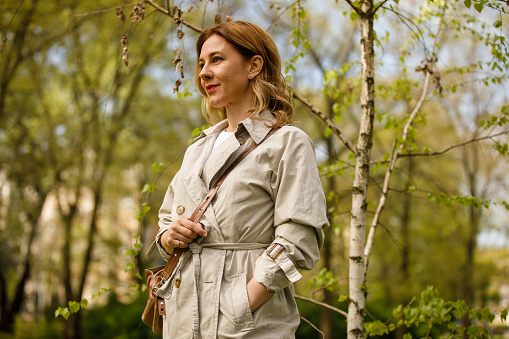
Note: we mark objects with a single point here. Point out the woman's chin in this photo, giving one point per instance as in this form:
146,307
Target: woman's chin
215,104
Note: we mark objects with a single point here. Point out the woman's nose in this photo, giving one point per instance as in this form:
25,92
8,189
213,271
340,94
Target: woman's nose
205,72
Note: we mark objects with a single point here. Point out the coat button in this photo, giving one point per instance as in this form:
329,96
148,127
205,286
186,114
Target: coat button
177,282
241,140
180,210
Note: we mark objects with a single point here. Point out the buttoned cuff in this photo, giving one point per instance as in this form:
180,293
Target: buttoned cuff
277,252
274,269
268,273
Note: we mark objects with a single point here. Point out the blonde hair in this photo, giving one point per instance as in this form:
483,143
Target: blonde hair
270,89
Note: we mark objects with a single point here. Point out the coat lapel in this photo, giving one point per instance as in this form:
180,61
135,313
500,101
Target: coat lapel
219,159
194,164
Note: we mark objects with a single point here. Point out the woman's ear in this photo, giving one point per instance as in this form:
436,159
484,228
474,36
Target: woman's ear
255,66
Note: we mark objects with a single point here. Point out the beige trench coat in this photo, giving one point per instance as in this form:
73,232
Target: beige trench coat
272,198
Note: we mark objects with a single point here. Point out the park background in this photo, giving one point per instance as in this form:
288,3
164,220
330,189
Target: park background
97,105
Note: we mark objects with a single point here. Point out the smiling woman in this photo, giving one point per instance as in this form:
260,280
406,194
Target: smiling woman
225,75
265,222
248,41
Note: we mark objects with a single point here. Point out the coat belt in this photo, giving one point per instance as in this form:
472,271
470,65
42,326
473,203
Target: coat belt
194,250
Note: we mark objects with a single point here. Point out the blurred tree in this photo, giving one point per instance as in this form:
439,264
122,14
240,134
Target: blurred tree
67,106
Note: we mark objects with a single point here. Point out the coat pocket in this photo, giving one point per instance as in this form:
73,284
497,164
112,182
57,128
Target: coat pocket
240,302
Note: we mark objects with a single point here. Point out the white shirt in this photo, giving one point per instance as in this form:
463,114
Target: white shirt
221,137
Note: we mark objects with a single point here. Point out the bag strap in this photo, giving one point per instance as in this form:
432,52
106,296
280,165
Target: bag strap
197,214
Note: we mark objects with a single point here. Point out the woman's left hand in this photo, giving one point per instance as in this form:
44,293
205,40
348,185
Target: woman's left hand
181,233
257,294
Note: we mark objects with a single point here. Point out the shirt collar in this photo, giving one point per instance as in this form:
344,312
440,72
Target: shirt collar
258,126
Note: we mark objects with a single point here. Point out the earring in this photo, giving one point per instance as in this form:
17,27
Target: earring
250,77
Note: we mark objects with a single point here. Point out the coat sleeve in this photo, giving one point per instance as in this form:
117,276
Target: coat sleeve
299,215
165,218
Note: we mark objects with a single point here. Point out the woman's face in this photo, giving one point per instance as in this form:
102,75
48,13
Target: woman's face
224,75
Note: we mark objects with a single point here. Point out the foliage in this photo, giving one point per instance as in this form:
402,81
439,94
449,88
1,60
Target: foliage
430,311
76,306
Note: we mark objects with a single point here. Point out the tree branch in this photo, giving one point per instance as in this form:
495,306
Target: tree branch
353,7
319,303
395,155
279,15
313,326
161,9
327,121
379,5
447,149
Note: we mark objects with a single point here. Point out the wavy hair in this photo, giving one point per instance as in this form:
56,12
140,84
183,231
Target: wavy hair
270,89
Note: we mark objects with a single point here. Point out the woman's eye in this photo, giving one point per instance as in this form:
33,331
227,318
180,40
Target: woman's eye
216,59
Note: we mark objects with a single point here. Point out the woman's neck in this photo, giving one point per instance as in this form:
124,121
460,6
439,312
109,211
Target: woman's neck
234,117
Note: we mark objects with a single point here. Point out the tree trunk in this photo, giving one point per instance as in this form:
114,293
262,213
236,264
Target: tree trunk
467,274
357,288
405,250
13,59
10,310
66,253
73,327
5,315
325,313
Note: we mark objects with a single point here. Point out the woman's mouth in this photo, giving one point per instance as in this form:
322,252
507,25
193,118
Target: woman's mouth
210,88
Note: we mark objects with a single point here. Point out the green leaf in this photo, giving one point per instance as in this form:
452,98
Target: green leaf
504,314
74,306
131,252
375,167
63,311
468,3
302,13
148,188
196,132
497,24
481,123
84,303
487,315
157,166
353,16
128,267
479,7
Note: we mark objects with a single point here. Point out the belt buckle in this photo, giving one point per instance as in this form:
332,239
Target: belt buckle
275,250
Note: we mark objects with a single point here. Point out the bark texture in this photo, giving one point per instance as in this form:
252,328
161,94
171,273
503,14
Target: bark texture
357,290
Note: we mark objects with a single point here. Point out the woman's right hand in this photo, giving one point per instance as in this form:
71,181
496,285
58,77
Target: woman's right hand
181,233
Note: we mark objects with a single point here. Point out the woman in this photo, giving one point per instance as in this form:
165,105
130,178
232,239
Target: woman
267,219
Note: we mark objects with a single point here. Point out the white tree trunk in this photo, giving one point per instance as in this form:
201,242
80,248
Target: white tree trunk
357,288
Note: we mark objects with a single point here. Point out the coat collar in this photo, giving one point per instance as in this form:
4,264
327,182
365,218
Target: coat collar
257,126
